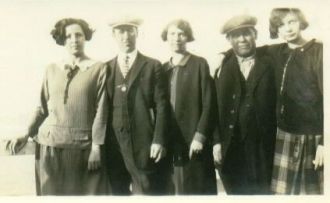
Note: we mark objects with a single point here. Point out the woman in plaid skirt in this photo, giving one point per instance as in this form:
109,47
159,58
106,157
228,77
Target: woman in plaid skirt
298,160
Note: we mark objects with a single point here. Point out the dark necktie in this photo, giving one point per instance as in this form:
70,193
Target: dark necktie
70,73
125,66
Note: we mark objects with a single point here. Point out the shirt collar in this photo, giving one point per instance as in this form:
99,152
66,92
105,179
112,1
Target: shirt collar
183,61
132,55
243,59
83,65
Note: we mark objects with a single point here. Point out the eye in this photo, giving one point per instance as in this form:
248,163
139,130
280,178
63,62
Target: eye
292,22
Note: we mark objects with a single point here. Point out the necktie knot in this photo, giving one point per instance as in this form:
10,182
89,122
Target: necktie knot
70,71
125,67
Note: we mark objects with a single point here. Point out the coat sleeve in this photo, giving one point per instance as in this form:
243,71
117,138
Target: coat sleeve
319,76
41,111
161,105
206,121
102,107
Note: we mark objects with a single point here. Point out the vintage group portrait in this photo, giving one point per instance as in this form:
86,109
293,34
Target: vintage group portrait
163,98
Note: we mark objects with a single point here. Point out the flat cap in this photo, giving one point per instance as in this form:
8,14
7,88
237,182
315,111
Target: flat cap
127,20
237,22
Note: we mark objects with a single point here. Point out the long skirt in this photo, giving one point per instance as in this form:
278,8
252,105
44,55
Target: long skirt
195,176
62,171
293,171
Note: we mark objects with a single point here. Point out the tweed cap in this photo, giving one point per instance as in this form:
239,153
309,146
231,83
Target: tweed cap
127,20
237,22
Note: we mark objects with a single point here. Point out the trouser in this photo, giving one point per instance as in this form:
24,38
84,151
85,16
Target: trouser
123,171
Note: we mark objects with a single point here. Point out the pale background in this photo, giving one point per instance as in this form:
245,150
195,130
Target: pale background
26,45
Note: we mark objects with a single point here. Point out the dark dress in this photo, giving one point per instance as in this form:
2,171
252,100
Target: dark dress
192,107
247,124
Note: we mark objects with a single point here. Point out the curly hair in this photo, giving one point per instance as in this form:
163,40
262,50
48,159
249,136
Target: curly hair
182,25
58,32
278,14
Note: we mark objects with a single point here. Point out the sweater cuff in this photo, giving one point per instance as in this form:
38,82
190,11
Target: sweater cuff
199,137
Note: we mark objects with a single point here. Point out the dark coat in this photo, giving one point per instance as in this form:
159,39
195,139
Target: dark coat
258,141
194,101
147,108
194,107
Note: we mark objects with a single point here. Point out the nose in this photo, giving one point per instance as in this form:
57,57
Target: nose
125,34
73,38
287,27
241,38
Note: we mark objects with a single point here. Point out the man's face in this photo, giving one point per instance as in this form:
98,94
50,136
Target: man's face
125,36
243,41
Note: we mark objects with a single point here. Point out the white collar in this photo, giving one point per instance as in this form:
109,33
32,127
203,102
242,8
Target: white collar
132,55
242,59
83,64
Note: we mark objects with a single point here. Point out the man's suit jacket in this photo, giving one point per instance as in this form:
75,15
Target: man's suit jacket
147,107
229,97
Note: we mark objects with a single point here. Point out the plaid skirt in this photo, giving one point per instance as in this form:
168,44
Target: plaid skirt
63,171
293,171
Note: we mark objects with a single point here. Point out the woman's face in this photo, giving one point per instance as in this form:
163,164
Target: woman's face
290,30
74,39
177,39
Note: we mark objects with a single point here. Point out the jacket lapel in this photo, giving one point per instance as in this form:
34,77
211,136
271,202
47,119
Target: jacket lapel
111,66
257,71
136,69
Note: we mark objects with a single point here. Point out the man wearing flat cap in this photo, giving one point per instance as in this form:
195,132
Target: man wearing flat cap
246,127
136,133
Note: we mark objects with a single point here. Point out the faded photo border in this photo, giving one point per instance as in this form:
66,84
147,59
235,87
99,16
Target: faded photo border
26,47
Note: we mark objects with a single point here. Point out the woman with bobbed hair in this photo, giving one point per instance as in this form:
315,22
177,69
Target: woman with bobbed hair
298,161
192,102
69,124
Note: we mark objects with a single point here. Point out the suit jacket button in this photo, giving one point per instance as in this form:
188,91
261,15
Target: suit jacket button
234,96
231,126
232,111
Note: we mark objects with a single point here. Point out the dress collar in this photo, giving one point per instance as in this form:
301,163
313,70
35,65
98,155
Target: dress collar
182,62
83,65
303,48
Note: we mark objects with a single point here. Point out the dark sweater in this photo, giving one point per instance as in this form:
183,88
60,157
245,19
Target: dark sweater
300,105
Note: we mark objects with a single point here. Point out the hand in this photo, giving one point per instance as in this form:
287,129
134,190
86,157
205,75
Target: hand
94,159
157,152
195,147
15,145
318,161
217,153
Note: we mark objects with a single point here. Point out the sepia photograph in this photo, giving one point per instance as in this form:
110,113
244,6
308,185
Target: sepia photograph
221,100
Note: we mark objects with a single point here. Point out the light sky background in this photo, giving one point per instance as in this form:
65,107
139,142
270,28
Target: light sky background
26,45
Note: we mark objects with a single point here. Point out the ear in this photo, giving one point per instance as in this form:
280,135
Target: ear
136,31
113,32
255,34
228,37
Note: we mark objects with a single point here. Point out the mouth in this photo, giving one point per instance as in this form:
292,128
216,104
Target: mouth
244,47
290,35
74,46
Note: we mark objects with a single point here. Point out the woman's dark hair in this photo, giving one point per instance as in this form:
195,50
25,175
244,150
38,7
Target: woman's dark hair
278,14
58,32
182,25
